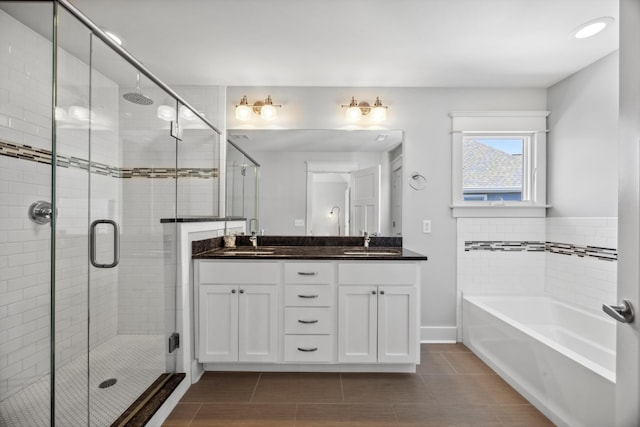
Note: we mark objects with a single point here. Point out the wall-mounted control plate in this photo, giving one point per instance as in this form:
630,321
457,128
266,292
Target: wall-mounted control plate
426,226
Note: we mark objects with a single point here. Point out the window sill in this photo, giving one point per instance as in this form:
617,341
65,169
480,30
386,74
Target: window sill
499,211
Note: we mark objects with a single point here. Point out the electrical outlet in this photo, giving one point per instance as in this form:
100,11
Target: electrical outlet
299,223
426,226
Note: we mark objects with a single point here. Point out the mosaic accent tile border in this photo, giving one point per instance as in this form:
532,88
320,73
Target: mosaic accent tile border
39,155
604,254
504,246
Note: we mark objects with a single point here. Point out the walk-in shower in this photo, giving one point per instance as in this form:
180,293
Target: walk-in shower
87,268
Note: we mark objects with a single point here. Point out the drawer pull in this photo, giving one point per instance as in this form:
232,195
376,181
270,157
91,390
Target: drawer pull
307,349
307,322
307,273
307,296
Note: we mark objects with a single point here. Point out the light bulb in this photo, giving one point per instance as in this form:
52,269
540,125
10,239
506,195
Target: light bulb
378,114
268,112
186,113
243,112
166,112
79,113
61,114
354,114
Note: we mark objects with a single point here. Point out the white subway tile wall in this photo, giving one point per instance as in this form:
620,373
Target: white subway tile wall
25,118
493,258
586,281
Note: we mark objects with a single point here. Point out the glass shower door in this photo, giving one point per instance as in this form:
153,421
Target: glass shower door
115,266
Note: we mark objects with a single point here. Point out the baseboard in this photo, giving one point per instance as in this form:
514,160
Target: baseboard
438,334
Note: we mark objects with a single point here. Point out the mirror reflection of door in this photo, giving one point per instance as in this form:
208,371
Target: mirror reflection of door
365,201
396,197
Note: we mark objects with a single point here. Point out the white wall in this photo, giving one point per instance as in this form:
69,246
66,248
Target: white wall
583,142
423,114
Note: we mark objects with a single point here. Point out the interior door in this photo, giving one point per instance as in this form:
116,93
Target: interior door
365,201
628,334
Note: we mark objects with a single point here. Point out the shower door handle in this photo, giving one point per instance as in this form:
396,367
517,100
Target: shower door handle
622,313
116,243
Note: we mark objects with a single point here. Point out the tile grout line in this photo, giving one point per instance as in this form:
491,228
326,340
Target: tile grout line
450,364
255,387
194,415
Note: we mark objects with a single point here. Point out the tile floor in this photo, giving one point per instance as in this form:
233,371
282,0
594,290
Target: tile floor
452,387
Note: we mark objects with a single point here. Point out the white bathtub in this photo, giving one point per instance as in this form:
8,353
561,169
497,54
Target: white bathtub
561,358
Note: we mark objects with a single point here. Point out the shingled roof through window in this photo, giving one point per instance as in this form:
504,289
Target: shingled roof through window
485,167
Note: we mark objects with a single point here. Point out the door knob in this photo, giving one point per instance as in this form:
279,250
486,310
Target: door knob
622,313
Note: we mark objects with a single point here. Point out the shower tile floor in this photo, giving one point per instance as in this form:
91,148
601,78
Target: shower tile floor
134,360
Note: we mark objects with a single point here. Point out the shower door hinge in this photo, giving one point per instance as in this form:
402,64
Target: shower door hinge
174,342
176,131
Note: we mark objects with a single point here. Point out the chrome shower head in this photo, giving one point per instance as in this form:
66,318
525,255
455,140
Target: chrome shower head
137,97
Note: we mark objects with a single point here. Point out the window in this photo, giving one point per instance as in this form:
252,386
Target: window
499,163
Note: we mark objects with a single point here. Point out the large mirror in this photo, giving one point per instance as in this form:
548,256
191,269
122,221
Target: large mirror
326,182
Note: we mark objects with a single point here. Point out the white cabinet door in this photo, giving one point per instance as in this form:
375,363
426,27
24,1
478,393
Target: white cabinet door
397,324
218,327
258,323
357,320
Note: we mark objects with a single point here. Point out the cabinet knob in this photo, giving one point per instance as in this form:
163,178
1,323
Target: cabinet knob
242,291
381,292
233,291
373,292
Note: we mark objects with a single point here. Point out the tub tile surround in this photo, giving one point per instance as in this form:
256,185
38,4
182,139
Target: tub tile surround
573,259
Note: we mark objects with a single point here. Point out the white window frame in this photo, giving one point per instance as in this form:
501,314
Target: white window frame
527,125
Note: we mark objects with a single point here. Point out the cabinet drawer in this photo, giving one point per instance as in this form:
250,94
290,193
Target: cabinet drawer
308,348
369,273
239,272
308,320
309,295
308,272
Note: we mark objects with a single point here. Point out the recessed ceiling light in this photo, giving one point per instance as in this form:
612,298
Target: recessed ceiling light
591,28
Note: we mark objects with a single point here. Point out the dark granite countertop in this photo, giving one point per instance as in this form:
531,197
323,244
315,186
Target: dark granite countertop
307,248
201,219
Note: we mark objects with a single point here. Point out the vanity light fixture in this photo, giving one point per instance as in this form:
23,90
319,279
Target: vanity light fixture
591,28
265,109
355,110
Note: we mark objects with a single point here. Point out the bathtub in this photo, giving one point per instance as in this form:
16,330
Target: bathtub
560,357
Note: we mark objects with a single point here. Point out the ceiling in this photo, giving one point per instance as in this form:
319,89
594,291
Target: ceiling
388,43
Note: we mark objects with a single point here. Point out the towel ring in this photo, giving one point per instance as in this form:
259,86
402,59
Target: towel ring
417,181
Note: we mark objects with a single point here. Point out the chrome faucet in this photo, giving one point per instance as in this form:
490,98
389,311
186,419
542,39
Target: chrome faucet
253,221
367,240
254,239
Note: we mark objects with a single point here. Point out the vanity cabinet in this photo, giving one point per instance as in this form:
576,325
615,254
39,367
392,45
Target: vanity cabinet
312,314
238,313
377,314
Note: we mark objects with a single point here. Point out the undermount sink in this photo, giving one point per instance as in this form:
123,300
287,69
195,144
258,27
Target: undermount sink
257,251
364,252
